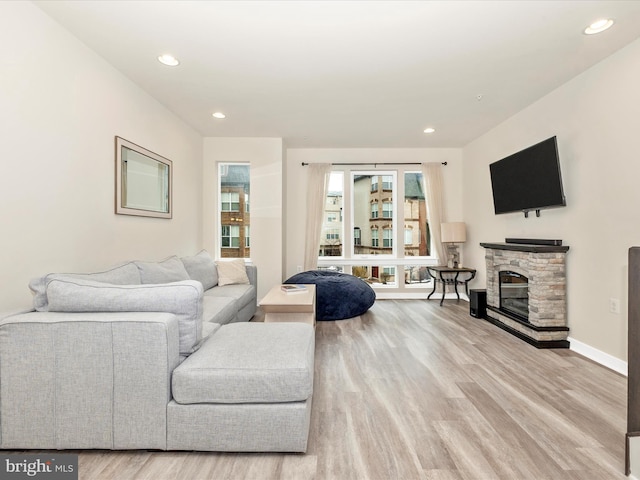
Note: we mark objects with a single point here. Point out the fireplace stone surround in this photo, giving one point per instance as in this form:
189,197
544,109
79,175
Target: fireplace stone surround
545,267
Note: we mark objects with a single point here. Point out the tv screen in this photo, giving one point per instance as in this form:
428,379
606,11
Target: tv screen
528,180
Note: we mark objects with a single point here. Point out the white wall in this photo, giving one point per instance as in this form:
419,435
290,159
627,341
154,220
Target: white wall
296,184
61,106
595,117
265,157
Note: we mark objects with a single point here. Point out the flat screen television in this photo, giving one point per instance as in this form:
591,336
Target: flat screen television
528,180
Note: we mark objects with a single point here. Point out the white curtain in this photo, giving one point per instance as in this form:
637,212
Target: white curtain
317,184
432,175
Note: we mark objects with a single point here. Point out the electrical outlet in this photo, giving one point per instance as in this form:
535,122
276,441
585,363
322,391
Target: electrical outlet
299,268
614,305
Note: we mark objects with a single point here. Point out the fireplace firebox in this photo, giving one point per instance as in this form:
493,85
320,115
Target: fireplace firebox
514,294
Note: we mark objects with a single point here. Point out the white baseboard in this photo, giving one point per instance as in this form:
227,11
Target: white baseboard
599,356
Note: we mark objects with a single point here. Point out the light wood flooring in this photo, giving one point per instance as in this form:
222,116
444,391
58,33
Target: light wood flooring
412,390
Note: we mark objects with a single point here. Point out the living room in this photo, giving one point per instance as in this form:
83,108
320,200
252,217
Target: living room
63,104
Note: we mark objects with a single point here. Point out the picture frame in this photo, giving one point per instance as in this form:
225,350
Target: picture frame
144,181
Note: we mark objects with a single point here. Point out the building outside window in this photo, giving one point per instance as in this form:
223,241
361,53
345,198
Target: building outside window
230,201
408,236
230,236
374,237
387,237
234,215
357,236
387,210
374,210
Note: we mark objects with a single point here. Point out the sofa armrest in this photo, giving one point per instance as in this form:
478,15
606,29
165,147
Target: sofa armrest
86,380
252,273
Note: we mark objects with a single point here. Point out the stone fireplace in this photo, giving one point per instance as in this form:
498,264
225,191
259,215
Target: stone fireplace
526,290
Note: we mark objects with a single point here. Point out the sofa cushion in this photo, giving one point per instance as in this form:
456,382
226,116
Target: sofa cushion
167,271
249,363
220,310
183,299
231,272
243,294
126,274
202,268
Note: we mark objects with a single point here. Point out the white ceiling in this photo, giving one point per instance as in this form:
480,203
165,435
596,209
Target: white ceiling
349,73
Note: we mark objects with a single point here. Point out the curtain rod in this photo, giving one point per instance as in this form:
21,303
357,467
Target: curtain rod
304,164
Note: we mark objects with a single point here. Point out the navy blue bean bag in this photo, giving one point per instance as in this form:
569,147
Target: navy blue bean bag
338,295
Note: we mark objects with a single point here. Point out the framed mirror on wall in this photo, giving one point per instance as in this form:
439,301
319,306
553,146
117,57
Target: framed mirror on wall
143,181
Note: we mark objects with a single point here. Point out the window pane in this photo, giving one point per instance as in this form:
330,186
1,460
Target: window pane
332,228
415,216
376,275
414,274
372,211
234,210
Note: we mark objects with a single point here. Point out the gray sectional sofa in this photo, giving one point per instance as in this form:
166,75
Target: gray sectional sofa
154,355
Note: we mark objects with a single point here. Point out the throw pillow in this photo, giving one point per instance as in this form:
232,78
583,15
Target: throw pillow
167,271
231,272
202,268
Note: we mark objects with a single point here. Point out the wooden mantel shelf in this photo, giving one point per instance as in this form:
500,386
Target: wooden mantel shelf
520,247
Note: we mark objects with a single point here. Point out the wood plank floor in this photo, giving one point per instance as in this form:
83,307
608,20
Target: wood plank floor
412,390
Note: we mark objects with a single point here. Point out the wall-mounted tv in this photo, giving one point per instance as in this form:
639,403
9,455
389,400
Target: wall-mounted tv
528,180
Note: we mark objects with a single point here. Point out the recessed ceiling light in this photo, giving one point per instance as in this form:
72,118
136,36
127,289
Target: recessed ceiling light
429,130
168,60
218,115
598,26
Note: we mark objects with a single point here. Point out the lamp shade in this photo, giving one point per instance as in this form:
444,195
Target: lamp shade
453,232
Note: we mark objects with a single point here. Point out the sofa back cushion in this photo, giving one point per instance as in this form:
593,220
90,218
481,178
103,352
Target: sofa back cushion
183,299
202,268
126,274
167,271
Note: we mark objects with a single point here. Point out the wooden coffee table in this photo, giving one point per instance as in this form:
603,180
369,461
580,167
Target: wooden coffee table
279,306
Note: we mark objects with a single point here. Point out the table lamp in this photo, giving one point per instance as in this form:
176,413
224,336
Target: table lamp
453,233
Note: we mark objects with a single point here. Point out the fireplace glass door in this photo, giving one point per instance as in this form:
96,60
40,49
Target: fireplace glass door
514,294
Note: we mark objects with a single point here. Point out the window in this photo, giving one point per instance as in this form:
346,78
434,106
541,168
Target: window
332,227
230,236
230,202
387,238
374,210
387,210
234,217
415,217
333,235
408,236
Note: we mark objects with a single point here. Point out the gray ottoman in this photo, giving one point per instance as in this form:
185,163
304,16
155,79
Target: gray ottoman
248,388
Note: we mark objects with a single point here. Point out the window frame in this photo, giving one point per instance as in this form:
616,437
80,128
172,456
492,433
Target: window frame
408,284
